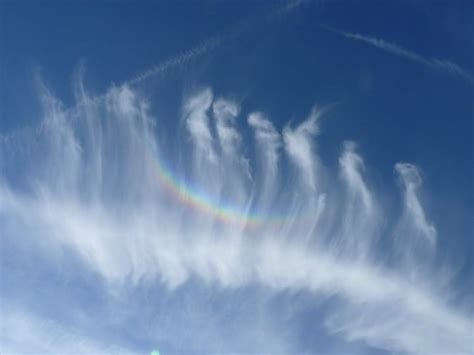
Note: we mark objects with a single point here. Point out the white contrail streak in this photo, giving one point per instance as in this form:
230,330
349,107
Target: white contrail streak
212,43
442,65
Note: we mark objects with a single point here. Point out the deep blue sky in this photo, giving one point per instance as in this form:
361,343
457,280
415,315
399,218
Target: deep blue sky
396,109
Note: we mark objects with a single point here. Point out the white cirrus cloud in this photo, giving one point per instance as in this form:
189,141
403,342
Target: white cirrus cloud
99,186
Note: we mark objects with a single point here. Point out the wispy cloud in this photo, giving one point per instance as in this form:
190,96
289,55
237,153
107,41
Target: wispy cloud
411,182
299,144
441,65
103,192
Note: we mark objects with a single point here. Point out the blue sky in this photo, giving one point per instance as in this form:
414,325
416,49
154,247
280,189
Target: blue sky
236,177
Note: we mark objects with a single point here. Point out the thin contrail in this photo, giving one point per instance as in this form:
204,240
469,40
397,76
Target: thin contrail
210,44
443,65
213,42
